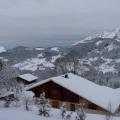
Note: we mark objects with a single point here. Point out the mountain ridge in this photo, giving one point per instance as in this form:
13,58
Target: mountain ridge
98,59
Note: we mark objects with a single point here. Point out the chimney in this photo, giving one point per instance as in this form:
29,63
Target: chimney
66,75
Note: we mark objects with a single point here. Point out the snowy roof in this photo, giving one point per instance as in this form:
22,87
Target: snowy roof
99,95
6,94
28,77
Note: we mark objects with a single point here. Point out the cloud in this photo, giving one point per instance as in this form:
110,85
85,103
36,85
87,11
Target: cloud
25,19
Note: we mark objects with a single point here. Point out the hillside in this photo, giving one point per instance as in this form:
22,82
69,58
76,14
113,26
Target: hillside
96,58
39,61
99,57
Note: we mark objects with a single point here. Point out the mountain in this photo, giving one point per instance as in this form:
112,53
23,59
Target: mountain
27,58
38,61
101,51
104,35
96,58
44,58
99,55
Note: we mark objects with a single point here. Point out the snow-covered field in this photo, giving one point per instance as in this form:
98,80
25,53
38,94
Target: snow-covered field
32,64
55,49
18,114
2,49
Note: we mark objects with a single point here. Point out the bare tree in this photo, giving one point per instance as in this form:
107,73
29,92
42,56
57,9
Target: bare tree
73,63
27,103
68,63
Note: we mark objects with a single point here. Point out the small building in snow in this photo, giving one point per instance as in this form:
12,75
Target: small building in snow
26,79
7,96
74,90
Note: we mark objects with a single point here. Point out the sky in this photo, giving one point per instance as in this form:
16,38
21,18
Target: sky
44,21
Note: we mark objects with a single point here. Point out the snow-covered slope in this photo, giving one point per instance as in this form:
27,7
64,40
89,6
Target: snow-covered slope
105,34
44,58
2,49
33,64
99,57
17,114
39,48
101,51
55,49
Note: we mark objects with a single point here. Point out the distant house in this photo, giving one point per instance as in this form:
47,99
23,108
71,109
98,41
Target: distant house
27,79
73,90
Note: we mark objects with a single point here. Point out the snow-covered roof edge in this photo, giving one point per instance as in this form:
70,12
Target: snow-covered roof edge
6,94
28,77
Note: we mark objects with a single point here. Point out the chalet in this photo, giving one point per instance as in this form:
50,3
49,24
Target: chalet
27,79
73,90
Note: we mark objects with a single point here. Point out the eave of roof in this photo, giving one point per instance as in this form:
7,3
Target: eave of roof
28,77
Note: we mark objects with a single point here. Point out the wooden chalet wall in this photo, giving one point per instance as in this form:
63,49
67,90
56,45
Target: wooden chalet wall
59,94
54,91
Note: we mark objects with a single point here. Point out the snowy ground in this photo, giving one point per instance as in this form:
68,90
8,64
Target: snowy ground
32,64
2,49
20,114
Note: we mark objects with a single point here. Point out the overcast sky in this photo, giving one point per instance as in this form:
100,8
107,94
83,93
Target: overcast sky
44,19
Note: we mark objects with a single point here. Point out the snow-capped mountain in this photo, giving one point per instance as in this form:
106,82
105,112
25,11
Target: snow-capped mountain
104,34
98,56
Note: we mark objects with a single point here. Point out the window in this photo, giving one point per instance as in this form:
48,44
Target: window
72,107
55,103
